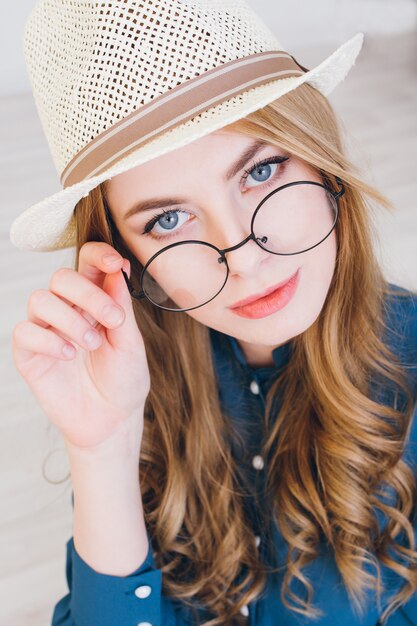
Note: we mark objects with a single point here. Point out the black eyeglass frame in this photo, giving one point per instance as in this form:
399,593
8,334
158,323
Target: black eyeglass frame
139,295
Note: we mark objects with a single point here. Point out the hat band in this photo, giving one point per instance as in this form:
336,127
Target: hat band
176,106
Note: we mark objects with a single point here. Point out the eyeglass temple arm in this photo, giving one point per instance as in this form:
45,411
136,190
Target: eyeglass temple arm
136,294
342,191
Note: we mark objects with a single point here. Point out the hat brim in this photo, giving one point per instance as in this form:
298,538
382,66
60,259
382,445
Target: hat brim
49,224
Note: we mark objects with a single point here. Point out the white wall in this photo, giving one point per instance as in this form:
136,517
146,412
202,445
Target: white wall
297,23
309,22
13,76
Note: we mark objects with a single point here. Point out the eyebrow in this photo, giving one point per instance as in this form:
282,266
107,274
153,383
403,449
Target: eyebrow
154,203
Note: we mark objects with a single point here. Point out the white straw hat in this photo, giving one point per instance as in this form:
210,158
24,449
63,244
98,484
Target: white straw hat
119,82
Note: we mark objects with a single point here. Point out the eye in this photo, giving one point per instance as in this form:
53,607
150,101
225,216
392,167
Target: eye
261,170
167,221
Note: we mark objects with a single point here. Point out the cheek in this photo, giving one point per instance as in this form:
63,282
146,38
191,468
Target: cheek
318,267
322,264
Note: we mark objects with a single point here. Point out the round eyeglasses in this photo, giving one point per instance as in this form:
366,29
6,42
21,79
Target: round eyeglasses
291,219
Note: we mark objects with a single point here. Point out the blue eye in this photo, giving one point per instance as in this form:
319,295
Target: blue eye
166,220
261,170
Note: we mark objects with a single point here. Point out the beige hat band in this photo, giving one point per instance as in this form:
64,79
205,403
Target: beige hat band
175,107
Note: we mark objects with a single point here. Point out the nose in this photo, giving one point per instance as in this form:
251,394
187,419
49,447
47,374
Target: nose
245,258
243,254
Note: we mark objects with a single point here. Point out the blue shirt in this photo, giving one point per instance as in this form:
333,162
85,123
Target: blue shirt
97,599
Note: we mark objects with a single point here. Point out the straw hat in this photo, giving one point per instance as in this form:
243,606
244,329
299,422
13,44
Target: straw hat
119,82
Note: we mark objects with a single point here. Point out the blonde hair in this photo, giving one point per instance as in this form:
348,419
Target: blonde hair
331,448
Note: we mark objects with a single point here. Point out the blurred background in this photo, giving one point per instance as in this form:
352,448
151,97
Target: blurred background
377,108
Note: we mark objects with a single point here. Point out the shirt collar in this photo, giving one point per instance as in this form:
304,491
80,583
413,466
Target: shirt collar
280,355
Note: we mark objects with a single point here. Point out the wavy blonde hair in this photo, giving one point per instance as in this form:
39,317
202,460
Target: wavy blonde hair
332,448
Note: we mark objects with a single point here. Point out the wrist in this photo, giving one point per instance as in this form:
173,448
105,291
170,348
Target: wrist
123,444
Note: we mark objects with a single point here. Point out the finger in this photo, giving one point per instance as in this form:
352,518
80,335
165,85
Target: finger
30,339
125,336
78,289
86,315
95,262
45,306
44,324
81,311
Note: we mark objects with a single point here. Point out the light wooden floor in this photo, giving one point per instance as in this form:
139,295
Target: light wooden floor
378,105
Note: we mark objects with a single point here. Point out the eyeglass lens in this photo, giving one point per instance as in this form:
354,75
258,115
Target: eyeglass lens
290,221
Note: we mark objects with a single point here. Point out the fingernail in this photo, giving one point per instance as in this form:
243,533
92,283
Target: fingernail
110,259
68,351
113,315
92,338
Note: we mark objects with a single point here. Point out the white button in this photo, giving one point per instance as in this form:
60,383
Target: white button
143,592
254,387
245,610
144,624
257,540
257,462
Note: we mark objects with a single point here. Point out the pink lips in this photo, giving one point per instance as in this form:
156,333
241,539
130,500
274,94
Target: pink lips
270,303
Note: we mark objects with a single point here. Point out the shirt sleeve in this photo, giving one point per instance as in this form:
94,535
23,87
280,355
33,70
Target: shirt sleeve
96,599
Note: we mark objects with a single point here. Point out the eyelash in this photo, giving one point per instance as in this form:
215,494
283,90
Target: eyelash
256,164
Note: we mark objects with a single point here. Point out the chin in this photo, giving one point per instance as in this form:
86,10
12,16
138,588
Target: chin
267,336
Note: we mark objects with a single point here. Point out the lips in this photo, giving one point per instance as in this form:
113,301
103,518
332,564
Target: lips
251,299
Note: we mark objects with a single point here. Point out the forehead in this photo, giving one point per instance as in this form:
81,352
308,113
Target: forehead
215,151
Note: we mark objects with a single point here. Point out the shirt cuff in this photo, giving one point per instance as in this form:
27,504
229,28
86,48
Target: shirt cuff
105,600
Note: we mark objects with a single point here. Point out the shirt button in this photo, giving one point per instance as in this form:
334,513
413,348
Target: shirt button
245,610
258,462
143,592
254,387
144,624
257,541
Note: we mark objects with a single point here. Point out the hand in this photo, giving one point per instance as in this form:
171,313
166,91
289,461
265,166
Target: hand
91,395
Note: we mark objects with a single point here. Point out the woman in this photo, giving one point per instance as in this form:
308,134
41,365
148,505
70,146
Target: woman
231,462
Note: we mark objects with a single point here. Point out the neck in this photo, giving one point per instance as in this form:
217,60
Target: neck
257,355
